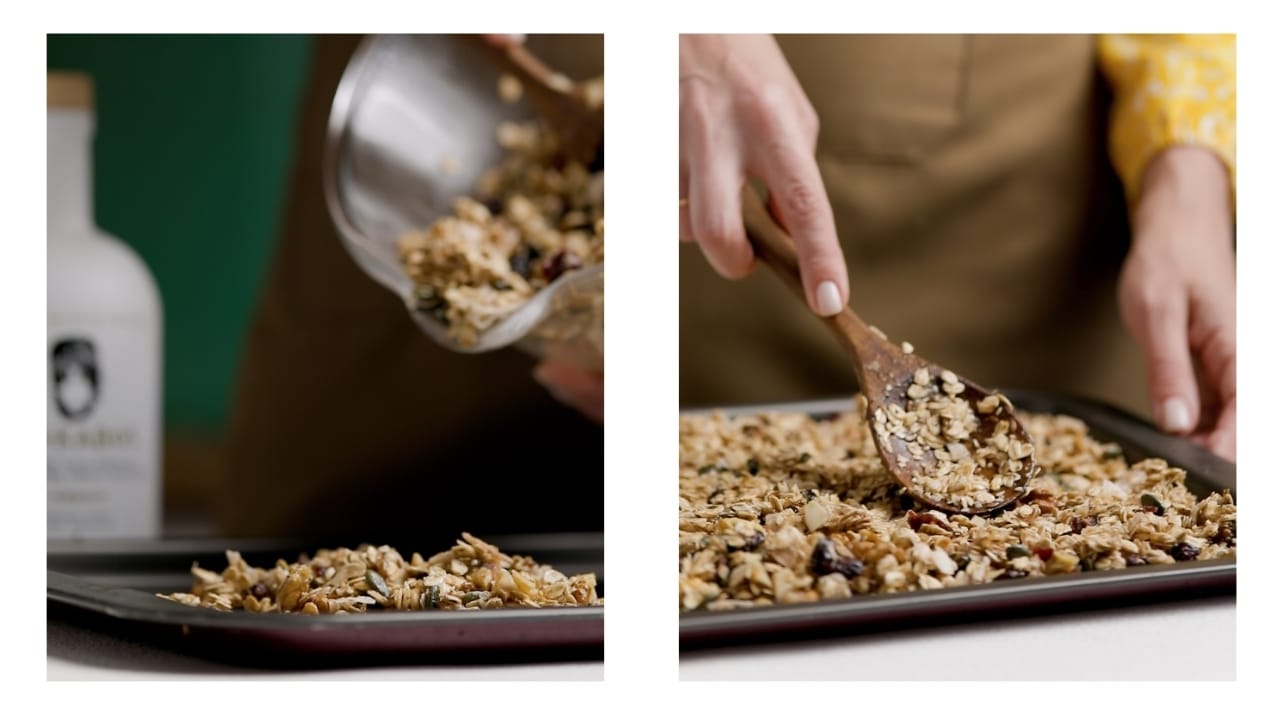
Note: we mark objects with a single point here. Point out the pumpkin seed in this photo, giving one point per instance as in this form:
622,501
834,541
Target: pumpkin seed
1016,551
376,582
1151,501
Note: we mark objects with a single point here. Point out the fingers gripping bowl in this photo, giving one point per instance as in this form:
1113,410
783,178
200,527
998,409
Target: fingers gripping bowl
417,124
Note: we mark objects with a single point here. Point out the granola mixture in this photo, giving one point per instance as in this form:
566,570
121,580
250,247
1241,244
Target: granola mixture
531,223
786,508
939,428
471,575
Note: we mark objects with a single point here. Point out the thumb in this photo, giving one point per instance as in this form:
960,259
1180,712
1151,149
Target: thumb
1159,324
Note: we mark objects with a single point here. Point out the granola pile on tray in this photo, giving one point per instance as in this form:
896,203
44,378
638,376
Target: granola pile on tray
786,508
471,575
531,222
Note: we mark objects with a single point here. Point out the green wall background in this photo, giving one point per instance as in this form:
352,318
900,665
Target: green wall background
194,142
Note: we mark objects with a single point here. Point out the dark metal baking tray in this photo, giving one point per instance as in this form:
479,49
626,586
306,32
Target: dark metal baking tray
111,586
1024,597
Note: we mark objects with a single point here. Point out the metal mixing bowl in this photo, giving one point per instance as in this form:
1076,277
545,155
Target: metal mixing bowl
412,127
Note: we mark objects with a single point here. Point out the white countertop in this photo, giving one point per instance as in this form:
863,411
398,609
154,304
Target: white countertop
79,653
1191,640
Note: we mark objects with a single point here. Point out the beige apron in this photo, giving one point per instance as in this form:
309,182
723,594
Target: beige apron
978,213
348,419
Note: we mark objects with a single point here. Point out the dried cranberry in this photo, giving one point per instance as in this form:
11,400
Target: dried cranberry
754,542
559,264
1044,553
1183,552
1078,524
825,561
259,591
1134,560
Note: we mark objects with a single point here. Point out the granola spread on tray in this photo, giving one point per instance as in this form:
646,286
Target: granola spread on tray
786,508
471,575
532,222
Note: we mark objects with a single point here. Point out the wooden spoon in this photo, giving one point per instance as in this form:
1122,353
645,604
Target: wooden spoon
884,371
575,111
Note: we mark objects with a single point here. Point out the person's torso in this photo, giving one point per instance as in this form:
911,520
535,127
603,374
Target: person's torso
978,213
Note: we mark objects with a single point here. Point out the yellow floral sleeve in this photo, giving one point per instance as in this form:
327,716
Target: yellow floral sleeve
1169,90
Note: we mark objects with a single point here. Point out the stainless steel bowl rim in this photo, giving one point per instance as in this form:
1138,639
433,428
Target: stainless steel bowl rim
509,330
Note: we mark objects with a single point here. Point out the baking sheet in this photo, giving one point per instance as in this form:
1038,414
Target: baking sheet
111,586
1023,597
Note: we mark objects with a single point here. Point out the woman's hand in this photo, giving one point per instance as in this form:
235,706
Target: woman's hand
572,386
505,40
1178,295
744,115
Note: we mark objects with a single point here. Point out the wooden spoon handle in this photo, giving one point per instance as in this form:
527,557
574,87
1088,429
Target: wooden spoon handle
775,247
771,243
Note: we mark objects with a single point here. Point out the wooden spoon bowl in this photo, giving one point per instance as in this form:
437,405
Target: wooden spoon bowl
885,372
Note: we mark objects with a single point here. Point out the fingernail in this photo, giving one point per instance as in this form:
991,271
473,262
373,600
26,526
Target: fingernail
1175,416
828,298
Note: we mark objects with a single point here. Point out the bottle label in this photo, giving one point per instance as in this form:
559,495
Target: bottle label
104,428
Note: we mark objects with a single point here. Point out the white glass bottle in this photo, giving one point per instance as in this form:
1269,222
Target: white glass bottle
104,352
